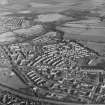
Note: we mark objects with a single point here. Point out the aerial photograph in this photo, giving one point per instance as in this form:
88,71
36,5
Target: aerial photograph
52,52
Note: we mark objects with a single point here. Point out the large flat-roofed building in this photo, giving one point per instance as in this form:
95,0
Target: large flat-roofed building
90,69
94,71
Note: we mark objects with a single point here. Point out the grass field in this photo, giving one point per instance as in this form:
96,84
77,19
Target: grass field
7,77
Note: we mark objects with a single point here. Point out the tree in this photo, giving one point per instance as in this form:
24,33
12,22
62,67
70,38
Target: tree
101,63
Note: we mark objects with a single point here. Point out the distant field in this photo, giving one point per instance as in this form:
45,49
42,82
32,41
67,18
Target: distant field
54,5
